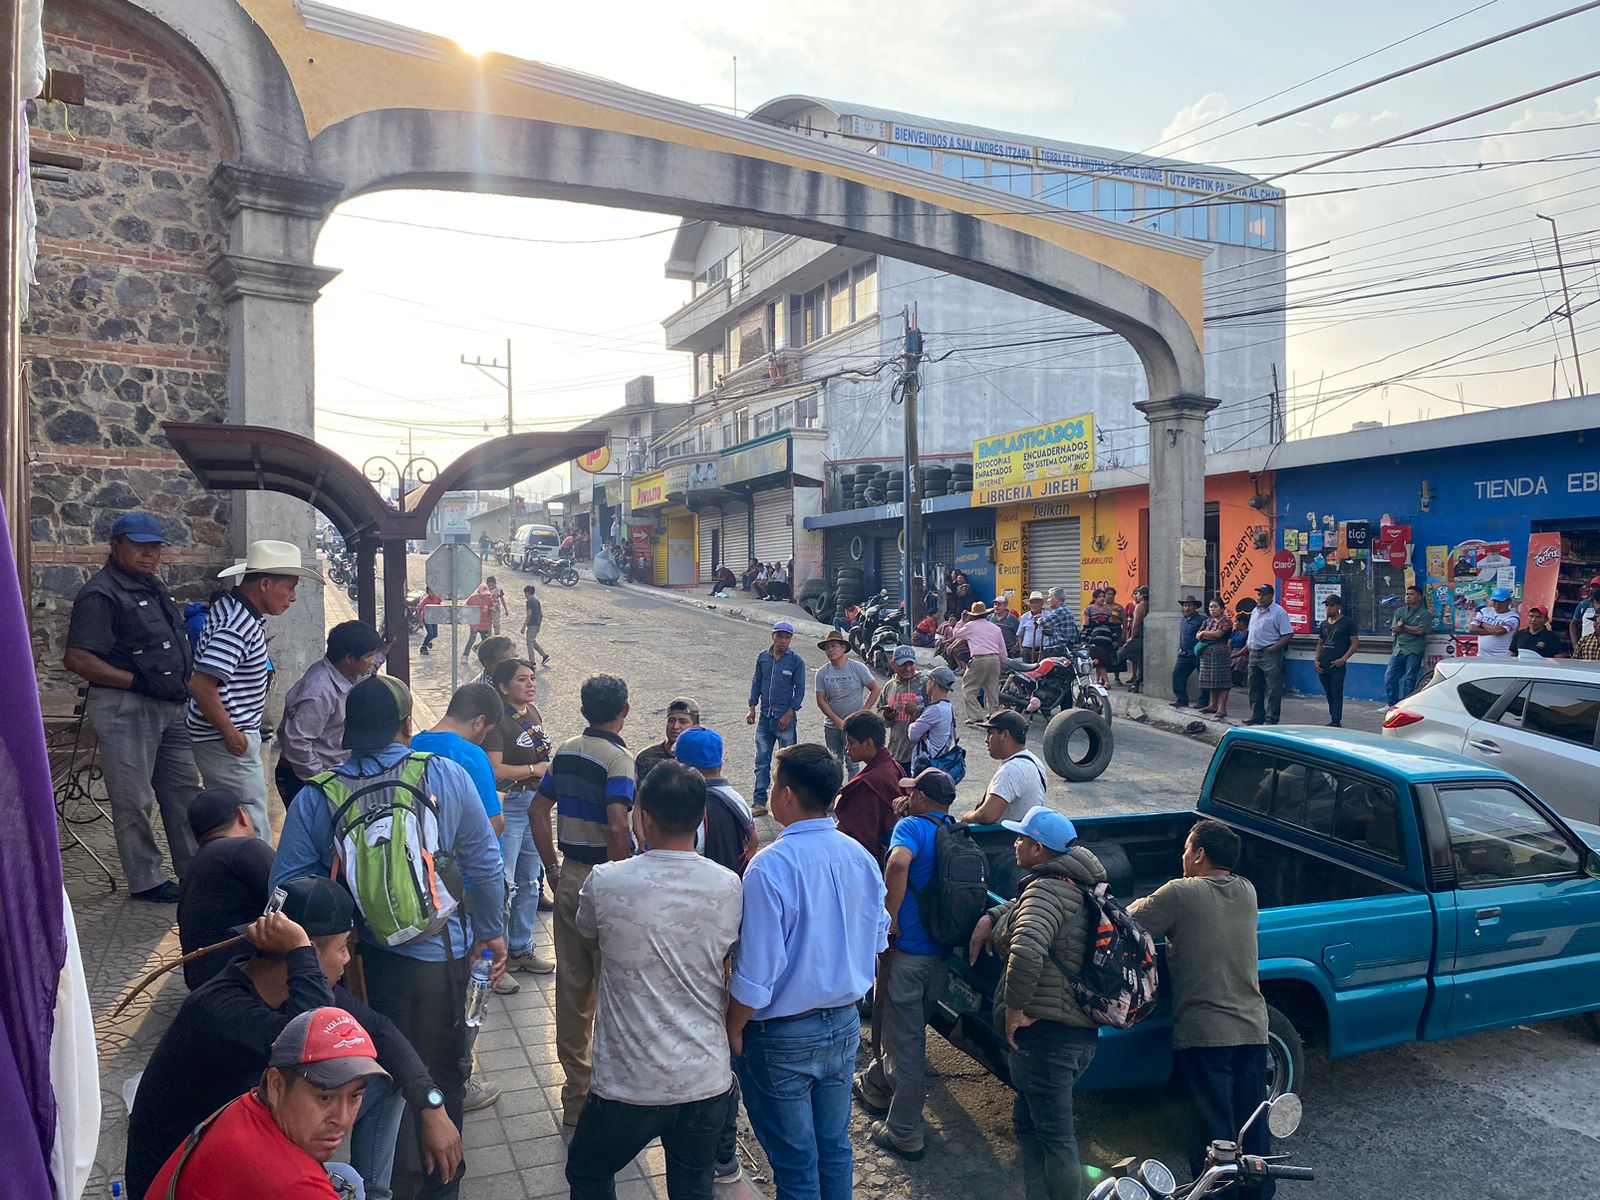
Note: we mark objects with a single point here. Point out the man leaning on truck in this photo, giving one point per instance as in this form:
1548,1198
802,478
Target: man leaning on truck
1219,1036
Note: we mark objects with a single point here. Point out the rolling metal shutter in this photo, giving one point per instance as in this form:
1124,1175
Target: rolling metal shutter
774,533
710,523
736,536
1051,556
889,564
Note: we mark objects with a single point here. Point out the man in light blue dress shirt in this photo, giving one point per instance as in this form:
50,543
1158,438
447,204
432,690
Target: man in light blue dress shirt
814,925
1270,631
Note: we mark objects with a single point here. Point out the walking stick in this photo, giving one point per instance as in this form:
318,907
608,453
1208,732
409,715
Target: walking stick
162,970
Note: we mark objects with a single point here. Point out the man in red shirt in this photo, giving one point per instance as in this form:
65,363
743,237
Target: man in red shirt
270,1144
865,807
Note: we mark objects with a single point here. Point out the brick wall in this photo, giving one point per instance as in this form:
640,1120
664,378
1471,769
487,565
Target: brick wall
125,329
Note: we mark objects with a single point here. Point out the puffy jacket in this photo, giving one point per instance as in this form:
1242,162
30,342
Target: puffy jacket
1044,925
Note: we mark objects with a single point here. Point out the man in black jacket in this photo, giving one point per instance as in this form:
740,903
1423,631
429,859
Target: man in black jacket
127,641
219,1043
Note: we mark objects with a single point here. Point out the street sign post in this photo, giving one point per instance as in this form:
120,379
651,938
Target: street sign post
454,570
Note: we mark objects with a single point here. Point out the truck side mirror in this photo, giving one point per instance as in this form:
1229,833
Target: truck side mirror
1591,864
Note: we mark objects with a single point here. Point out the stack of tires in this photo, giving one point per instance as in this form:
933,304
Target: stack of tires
877,489
858,489
895,490
815,597
849,587
936,480
847,490
961,478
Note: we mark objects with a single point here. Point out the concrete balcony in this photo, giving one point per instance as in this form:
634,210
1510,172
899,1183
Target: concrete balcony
792,265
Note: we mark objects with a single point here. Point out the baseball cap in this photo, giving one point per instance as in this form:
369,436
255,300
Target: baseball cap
783,627
698,746
329,1047
905,654
1595,582
684,704
138,527
374,710
1537,608
1045,826
1500,593
1266,588
317,904
934,784
1007,721
212,809
943,676
1334,599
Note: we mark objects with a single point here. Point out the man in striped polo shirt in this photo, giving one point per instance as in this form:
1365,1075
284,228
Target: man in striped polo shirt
228,690
590,787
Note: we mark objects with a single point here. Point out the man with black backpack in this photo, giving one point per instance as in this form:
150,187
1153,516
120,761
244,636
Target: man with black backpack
937,890
1042,937
416,945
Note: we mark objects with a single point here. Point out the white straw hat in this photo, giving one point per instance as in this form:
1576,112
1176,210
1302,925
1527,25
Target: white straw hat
270,558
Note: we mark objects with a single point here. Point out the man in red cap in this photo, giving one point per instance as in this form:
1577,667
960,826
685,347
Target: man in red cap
272,1142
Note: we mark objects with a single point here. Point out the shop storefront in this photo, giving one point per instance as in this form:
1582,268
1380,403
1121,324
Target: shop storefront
752,501
955,537
664,529
1463,512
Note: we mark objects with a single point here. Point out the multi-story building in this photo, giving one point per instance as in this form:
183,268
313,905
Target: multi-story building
796,344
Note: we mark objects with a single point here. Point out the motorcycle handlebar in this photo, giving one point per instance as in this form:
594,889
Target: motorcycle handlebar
1277,1171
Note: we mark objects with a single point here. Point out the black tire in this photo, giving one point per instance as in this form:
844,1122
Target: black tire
812,587
1286,1054
1098,705
569,577
1592,1020
1071,764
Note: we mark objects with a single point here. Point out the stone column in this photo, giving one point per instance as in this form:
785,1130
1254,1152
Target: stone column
1177,511
269,283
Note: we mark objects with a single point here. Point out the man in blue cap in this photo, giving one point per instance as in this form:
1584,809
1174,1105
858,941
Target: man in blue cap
127,641
1042,938
1495,625
776,691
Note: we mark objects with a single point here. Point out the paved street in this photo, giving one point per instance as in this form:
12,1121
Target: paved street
1433,1119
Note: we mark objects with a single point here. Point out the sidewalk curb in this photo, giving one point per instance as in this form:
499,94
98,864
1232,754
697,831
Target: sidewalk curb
1158,714
764,616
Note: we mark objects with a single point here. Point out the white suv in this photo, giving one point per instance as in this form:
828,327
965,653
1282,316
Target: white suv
1538,718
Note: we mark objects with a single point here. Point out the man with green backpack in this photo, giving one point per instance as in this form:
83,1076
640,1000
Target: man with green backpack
937,881
406,833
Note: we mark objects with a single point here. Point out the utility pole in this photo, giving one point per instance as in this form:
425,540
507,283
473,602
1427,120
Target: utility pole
912,530
492,369
1566,300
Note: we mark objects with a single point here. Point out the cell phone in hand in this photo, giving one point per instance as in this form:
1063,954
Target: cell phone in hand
276,903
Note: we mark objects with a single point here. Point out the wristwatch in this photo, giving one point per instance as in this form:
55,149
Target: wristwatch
433,1099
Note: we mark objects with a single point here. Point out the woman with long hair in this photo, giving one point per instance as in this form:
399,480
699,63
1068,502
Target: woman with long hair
1216,666
519,751
1103,636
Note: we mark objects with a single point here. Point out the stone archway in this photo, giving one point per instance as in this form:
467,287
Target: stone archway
378,106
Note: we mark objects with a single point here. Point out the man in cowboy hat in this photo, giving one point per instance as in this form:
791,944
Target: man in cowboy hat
228,690
844,686
980,686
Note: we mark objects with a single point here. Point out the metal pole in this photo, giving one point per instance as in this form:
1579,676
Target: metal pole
913,494
511,492
455,629
1566,300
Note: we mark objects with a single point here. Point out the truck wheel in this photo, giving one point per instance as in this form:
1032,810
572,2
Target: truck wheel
1286,1070
1592,1020
1077,745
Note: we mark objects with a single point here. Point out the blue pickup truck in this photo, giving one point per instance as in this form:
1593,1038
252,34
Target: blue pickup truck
1407,894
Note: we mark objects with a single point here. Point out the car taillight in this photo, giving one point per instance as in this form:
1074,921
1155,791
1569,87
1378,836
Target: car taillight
1398,718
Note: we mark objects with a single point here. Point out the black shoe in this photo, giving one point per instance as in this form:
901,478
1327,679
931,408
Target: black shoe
546,904
1334,725
162,893
1255,721
880,1136
1180,704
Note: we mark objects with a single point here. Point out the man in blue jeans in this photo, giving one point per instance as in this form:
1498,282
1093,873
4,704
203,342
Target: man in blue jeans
776,691
813,927
1411,626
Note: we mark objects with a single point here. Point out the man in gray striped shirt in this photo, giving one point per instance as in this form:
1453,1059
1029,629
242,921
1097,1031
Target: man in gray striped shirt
228,690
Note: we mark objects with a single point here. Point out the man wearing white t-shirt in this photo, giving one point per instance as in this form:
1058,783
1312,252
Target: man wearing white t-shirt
1019,784
1495,625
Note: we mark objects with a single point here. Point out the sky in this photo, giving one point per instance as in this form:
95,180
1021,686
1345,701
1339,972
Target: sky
1404,263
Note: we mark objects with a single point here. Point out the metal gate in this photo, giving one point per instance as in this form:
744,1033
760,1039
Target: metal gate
774,525
1051,555
889,564
942,546
736,536
710,543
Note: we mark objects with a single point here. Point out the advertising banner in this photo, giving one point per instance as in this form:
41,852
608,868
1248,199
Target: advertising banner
650,490
1544,568
1297,602
1040,462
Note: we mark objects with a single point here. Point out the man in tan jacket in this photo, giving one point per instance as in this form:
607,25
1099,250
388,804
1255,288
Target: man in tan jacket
1042,937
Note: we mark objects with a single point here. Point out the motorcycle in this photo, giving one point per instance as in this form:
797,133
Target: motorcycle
875,629
414,613
1065,681
559,570
339,570
1225,1164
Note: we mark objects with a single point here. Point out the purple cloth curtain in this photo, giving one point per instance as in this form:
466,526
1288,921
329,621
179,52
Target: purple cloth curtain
33,944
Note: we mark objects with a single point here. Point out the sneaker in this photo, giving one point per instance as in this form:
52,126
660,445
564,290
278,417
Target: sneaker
531,963
884,1140
868,1100
728,1172
758,809
479,1094
162,893
505,985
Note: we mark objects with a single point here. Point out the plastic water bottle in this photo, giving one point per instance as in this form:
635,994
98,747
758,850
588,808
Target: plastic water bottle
116,1189
478,989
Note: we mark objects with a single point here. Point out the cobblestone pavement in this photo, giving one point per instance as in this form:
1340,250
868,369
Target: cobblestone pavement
1368,1117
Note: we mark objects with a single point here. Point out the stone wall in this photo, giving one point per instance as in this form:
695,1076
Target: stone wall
125,330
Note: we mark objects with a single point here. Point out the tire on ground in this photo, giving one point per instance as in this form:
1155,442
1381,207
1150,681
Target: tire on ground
1286,1054
1090,729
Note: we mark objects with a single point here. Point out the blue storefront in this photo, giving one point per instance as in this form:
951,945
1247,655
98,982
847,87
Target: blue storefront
1472,489
956,536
